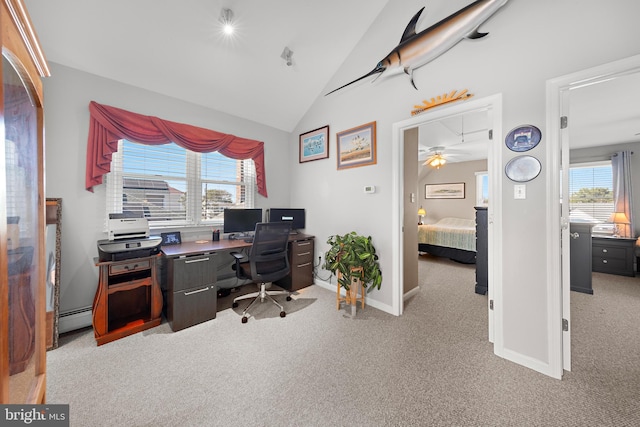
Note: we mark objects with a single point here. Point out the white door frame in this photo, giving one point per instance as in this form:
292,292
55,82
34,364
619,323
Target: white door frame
558,90
494,164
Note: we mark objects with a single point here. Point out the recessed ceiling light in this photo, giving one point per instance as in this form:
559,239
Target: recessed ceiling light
226,18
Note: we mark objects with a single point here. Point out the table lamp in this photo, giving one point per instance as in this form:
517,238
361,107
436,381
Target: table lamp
618,218
421,213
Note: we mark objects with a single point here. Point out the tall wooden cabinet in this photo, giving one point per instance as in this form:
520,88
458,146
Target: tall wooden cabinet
22,214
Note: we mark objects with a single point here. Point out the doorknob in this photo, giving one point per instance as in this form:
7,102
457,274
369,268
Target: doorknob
574,235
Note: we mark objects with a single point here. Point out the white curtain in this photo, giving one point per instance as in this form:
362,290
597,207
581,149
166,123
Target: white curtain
622,195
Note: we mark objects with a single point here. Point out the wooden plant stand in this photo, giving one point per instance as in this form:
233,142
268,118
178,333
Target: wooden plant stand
351,296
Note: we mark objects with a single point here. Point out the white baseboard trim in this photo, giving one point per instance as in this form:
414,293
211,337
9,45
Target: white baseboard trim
411,293
76,319
368,301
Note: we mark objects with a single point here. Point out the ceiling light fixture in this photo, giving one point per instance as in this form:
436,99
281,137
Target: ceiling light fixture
286,55
436,161
226,18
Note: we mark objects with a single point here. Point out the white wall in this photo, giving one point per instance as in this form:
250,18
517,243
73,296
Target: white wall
67,94
529,42
451,172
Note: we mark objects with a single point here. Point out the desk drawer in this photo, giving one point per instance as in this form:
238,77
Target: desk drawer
190,307
194,271
129,267
301,248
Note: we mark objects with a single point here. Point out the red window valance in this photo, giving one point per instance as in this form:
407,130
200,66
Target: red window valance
109,124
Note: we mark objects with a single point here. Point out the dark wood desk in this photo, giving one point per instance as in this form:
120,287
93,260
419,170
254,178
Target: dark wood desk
192,268
199,247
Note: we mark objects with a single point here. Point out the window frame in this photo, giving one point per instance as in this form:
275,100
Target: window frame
601,226
193,183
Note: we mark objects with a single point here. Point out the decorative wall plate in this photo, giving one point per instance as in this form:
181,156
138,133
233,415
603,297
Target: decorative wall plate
523,168
523,138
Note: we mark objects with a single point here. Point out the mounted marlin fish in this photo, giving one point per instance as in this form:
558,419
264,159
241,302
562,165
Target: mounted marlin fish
416,50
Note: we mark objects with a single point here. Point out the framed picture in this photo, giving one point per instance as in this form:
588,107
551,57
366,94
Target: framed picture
523,138
170,238
357,146
314,145
444,191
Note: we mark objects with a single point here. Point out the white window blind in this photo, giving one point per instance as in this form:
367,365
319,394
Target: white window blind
591,191
170,185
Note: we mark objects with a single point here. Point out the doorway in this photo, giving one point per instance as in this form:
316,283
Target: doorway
493,105
559,105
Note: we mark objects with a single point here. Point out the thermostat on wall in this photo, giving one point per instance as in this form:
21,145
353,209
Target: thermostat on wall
369,188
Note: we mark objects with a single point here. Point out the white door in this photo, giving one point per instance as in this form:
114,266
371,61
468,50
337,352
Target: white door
565,232
558,105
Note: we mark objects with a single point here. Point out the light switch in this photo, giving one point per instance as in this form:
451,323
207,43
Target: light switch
369,188
519,191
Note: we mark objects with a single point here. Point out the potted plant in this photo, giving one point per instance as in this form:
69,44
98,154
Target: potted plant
353,257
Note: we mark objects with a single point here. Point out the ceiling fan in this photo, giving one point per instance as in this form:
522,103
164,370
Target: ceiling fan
436,158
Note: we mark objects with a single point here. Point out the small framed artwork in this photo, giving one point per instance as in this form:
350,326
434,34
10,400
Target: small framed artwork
172,238
444,191
357,146
314,145
523,138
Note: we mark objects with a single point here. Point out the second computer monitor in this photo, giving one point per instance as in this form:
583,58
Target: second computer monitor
241,220
295,216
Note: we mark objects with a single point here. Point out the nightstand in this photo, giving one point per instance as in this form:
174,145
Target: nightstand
613,255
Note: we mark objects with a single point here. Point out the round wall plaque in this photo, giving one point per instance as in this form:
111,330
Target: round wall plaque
523,168
523,138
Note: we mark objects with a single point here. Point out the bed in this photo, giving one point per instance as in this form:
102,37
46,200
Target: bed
453,238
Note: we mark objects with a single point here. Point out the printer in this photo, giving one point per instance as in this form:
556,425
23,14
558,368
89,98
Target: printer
128,237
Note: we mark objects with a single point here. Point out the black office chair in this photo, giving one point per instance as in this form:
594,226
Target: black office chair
267,261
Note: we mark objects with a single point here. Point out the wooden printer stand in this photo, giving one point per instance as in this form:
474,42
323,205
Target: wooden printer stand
128,299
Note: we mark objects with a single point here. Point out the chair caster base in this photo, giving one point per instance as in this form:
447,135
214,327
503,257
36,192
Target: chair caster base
283,314
244,319
234,305
288,298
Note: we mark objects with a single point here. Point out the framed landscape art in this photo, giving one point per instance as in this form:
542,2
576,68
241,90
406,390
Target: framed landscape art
357,146
314,145
444,191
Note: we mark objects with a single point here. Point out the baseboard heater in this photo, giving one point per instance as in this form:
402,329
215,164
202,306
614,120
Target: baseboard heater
75,319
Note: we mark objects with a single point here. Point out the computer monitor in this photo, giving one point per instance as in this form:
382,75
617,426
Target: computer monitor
241,220
296,216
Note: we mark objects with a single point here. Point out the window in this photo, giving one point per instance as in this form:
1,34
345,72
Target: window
170,185
482,188
591,192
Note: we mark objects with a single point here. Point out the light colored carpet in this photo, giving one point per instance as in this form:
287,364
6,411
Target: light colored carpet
318,367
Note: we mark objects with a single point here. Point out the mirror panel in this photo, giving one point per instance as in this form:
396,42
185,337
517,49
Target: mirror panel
23,229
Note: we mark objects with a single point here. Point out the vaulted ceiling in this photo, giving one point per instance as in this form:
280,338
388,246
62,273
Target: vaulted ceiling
176,48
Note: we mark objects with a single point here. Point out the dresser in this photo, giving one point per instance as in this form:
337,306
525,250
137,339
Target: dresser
482,251
581,257
613,255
